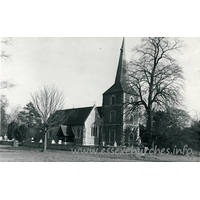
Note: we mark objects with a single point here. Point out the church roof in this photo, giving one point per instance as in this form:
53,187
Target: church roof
119,85
116,88
74,116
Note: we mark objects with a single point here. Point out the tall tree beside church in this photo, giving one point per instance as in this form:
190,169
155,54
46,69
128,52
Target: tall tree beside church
156,77
47,101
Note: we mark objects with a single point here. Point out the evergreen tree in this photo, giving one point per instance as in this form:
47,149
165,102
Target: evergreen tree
29,116
21,132
11,128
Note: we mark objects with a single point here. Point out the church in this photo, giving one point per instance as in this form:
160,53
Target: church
113,124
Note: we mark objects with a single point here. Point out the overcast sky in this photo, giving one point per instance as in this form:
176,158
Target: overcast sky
83,68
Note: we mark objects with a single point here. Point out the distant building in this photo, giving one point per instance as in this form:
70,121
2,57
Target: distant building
113,123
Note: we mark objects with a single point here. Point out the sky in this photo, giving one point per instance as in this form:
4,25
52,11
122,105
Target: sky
83,68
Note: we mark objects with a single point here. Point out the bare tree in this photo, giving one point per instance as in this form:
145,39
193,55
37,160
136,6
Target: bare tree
155,77
5,56
14,114
47,101
7,41
6,84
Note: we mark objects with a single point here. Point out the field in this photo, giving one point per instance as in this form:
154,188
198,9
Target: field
27,154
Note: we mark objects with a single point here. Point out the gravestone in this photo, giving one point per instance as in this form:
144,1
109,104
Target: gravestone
40,141
5,137
53,142
15,143
60,142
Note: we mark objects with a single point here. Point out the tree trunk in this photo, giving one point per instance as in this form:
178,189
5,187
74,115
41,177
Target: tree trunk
153,143
149,122
45,142
150,126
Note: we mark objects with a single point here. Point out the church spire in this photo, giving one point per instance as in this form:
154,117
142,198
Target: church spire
120,79
121,70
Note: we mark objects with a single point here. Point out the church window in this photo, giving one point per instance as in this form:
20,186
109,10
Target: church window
131,99
94,131
131,118
112,116
113,100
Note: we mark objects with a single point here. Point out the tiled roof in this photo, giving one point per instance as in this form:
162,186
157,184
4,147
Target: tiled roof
76,116
114,89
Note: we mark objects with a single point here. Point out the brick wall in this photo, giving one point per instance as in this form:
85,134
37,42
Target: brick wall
116,125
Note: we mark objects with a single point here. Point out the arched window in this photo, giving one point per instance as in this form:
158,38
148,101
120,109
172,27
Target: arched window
94,130
131,118
112,116
113,100
131,99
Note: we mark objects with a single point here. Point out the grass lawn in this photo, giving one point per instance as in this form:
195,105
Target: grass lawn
27,154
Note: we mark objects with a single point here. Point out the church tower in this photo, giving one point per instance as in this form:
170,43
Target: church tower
117,121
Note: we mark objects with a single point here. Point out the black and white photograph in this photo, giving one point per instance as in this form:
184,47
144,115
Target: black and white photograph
100,100
96,99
